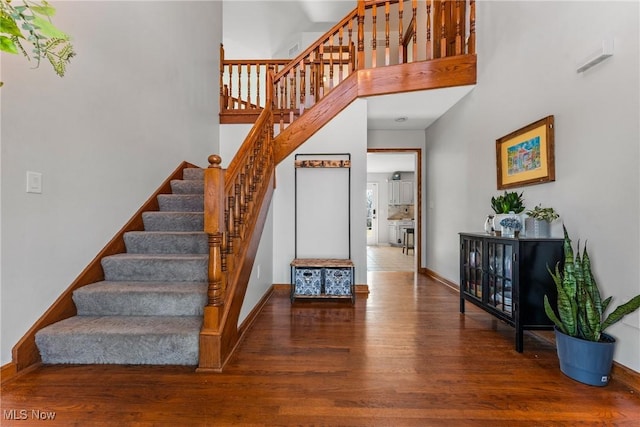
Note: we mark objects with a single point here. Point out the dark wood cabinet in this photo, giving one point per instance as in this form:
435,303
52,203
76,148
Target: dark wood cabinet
508,278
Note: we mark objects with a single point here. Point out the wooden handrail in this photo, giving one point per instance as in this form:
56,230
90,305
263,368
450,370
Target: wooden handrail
443,28
234,214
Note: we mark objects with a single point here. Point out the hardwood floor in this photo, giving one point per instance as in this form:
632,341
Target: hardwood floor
404,356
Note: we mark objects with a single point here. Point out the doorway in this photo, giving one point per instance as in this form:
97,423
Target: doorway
394,214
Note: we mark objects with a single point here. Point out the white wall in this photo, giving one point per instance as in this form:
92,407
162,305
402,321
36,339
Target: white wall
346,133
140,97
527,54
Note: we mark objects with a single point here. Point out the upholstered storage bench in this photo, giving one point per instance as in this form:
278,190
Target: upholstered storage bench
322,278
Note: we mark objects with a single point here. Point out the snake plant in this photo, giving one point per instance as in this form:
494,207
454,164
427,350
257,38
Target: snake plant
580,309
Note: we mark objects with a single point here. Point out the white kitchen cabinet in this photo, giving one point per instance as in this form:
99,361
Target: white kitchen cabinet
394,192
393,233
406,193
400,192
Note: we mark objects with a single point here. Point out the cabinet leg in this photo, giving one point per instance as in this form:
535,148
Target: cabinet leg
461,305
519,340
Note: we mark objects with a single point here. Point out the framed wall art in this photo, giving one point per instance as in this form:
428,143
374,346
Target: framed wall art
526,156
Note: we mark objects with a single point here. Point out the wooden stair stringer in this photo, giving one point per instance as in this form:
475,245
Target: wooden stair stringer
434,74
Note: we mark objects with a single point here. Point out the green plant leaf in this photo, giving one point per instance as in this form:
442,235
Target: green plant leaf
48,29
46,9
552,316
616,315
7,45
8,26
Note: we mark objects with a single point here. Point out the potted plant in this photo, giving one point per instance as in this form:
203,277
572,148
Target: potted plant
585,352
506,205
538,221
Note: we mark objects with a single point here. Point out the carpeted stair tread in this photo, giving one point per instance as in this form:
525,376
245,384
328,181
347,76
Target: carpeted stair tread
181,202
141,340
166,242
141,299
191,186
193,174
173,221
155,267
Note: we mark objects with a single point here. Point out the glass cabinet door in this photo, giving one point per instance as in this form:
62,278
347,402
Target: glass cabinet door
500,276
472,267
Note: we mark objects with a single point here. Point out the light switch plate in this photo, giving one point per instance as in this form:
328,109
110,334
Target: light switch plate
34,182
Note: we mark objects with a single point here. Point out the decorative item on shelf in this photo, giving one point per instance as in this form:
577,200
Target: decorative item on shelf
538,221
510,226
585,352
505,206
488,224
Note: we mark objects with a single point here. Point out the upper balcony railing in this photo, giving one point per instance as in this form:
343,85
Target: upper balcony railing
375,34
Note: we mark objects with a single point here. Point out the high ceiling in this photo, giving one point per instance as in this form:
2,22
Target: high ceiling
275,23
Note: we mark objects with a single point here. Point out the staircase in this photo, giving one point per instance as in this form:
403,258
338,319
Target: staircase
148,309
173,293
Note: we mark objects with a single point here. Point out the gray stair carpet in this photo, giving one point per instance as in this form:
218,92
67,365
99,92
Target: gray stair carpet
148,310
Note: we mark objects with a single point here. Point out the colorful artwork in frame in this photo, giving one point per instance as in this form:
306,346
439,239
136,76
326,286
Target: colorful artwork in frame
526,156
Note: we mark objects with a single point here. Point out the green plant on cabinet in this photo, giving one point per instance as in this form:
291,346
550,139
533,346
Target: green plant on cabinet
543,214
508,202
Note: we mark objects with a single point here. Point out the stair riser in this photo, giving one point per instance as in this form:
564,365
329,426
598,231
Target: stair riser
171,221
149,270
181,202
166,243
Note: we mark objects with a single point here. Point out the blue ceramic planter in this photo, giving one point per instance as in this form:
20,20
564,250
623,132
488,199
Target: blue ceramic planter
588,362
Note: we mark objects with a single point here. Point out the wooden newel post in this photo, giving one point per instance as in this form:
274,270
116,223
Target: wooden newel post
214,227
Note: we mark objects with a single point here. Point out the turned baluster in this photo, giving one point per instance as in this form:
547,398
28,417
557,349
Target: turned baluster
223,100
472,28
292,93
443,29
239,86
321,66
257,85
331,52
400,33
303,86
231,86
352,58
230,235
458,29
340,63
312,81
214,227
429,41
248,101
386,33
374,36
414,21
237,208
361,12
